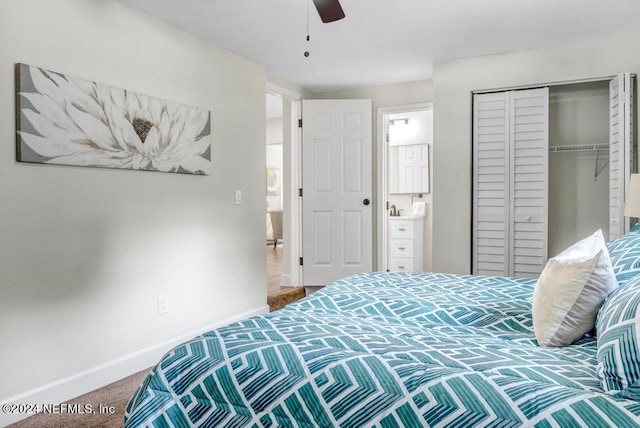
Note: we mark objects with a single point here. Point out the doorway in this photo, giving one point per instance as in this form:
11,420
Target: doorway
405,136
286,112
274,192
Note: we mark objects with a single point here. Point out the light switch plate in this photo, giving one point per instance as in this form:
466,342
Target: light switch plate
163,305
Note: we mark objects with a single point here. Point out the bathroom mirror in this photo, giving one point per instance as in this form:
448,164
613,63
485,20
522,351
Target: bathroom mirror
409,135
409,168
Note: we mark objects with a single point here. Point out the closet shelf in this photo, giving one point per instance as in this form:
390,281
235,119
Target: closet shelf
580,147
585,148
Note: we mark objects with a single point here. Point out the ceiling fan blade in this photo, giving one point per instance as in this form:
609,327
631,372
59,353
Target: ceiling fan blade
329,10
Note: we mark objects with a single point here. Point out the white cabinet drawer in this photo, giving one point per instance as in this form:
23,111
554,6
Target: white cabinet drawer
402,248
401,265
404,244
401,229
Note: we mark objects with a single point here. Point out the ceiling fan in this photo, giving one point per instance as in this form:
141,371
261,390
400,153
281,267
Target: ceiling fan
329,10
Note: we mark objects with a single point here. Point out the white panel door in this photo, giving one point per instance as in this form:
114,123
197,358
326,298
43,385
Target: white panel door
337,210
529,137
620,150
412,165
491,184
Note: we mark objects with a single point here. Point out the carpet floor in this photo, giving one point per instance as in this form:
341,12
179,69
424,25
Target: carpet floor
115,395
284,297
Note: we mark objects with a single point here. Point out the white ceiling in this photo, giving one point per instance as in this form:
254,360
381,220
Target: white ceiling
383,41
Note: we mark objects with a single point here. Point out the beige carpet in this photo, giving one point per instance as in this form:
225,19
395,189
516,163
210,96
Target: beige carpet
284,297
115,395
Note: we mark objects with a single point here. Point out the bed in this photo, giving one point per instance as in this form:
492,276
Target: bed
400,350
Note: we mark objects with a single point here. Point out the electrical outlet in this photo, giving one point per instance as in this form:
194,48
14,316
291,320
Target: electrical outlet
163,305
238,197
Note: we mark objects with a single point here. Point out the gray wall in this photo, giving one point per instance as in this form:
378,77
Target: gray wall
85,252
578,200
453,83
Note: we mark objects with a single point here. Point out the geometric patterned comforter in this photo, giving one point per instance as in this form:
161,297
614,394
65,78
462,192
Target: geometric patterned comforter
387,350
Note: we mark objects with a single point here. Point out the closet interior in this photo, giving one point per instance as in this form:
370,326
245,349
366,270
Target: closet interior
550,167
578,163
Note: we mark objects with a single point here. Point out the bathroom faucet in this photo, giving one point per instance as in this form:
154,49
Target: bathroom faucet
393,212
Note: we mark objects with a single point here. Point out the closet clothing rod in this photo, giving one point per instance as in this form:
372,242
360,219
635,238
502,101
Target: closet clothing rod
581,147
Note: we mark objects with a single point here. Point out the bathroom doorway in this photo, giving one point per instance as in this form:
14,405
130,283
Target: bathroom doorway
405,148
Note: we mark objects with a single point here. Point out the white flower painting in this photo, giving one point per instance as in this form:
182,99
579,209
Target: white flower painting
68,121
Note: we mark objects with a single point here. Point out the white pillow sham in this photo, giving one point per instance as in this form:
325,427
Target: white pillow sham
570,291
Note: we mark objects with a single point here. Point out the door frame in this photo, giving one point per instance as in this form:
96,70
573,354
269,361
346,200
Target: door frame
382,164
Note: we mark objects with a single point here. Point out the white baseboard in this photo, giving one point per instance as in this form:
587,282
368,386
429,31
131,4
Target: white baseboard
104,374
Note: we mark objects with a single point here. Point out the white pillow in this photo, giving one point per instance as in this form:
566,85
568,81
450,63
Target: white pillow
570,291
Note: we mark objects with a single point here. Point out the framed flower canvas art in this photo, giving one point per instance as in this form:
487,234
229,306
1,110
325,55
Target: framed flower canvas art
68,121
274,182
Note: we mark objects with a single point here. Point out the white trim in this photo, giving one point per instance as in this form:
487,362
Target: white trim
627,97
542,85
382,114
275,89
295,169
89,380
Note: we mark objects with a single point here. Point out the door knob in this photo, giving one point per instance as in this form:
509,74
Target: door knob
366,202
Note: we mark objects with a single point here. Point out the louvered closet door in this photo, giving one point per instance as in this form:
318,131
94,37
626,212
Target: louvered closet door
529,138
620,150
491,184
510,182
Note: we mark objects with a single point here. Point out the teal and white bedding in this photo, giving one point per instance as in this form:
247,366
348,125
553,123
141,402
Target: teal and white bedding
385,350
